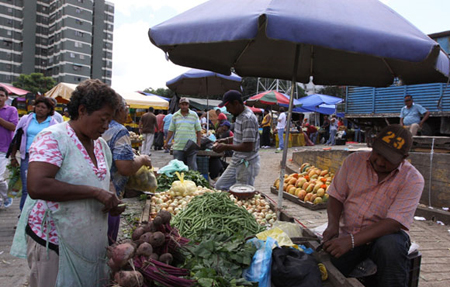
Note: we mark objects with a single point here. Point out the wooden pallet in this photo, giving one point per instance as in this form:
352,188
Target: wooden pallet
296,200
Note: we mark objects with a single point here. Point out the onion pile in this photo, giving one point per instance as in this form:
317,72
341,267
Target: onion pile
258,206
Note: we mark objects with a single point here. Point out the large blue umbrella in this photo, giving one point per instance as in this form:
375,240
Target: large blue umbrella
204,83
337,42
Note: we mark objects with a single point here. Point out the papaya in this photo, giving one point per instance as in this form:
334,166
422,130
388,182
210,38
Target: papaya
320,192
324,172
318,200
300,181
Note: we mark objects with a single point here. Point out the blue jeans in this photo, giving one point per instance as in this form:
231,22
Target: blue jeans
280,138
390,254
358,135
313,137
239,173
190,159
332,139
23,178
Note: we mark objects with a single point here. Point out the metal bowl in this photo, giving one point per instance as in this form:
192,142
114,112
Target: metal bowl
242,191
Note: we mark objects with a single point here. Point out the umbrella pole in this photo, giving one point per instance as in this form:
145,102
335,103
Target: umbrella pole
286,138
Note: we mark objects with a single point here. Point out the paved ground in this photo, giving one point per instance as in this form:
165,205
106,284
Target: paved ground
434,239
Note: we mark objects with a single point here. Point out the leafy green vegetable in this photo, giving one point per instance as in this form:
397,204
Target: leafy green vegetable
165,182
219,260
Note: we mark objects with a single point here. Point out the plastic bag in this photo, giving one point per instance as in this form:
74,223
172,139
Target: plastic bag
290,228
278,235
191,146
260,268
173,166
144,179
294,268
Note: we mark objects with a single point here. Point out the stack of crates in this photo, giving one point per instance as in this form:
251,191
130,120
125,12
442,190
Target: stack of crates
203,166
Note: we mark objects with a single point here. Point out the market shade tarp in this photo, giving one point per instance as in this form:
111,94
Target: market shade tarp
342,42
13,90
62,92
202,104
138,101
197,82
150,94
318,103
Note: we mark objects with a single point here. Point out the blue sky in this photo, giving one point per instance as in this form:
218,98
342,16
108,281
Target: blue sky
138,64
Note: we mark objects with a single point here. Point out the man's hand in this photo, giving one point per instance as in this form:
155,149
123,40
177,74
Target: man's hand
330,233
338,246
219,147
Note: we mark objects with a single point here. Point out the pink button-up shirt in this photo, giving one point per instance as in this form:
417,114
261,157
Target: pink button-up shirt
367,201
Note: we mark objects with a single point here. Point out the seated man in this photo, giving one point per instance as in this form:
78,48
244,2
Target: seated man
410,115
372,202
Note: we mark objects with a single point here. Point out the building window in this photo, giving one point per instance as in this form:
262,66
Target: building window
78,10
9,22
9,33
78,44
81,57
7,43
80,1
76,67
79,34
72,55
9,10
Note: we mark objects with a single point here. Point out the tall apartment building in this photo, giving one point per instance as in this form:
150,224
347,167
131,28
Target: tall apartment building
69,40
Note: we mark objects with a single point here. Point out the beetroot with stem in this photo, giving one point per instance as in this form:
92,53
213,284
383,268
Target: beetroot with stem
120,254
145,249
157,239
137,233
166,258
129,278
157,221
145,237
165,216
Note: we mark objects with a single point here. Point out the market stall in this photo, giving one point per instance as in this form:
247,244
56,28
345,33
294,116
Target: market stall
192,235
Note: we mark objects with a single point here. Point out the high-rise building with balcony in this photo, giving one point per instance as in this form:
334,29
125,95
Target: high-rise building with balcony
69,40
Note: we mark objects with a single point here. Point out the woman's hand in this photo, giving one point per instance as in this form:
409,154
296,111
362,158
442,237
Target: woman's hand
14,162
146,160
109,199
116,211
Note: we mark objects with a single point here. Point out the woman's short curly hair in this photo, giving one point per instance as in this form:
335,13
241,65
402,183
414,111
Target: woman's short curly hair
46,101
94,95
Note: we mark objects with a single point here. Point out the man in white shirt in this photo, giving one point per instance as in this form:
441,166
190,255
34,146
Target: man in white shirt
281,125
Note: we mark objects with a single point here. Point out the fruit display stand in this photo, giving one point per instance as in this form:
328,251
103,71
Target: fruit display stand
295,199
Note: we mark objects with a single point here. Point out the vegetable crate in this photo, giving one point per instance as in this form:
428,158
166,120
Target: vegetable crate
296,200
203,166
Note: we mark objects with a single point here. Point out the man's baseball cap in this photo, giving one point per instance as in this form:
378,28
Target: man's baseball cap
393,143
229,97
226,123
184,100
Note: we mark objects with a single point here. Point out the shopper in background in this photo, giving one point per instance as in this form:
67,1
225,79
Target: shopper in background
281,126
8,121
31,125
185,125
147,128
124,164
266,126
245,162
167,120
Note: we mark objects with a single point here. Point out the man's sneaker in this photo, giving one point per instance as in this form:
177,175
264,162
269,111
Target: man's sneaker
278,150
8,202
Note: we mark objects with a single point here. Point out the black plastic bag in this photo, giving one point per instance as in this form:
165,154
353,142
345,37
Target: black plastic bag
294,268
191,146
206,143
17,139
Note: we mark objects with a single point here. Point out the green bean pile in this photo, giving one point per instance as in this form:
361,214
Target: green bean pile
214,213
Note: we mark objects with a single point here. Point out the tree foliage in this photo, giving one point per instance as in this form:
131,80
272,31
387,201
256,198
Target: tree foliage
335,91
35,82
167,93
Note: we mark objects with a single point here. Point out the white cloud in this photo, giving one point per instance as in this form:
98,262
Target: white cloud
137,63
